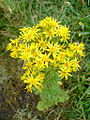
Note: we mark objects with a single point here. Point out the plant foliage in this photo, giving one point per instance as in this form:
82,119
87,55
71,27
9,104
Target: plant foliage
51,93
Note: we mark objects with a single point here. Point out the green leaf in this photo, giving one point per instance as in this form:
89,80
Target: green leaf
51,93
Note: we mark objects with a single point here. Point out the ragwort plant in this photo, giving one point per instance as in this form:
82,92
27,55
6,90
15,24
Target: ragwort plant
49,57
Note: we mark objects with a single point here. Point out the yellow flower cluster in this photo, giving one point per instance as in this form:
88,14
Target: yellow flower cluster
42,46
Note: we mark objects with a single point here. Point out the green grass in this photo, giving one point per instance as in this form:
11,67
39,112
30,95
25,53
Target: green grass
16,14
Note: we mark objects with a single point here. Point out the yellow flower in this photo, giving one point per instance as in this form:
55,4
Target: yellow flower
41,76
39,64
49,34
79,34
61,47
23,77
21,47
66,64
64,73
14,41
64,38
15,48
32,82
25,55
52,48
53,23
14,54
36,53
75,64
27,72
9,46
28,65
69,53
81,46
80,23
24,29
58,31
45,45
45,59
42,44
62,54
55,59
65,33
71,46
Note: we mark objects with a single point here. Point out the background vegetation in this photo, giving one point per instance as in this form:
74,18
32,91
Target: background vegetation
15,103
